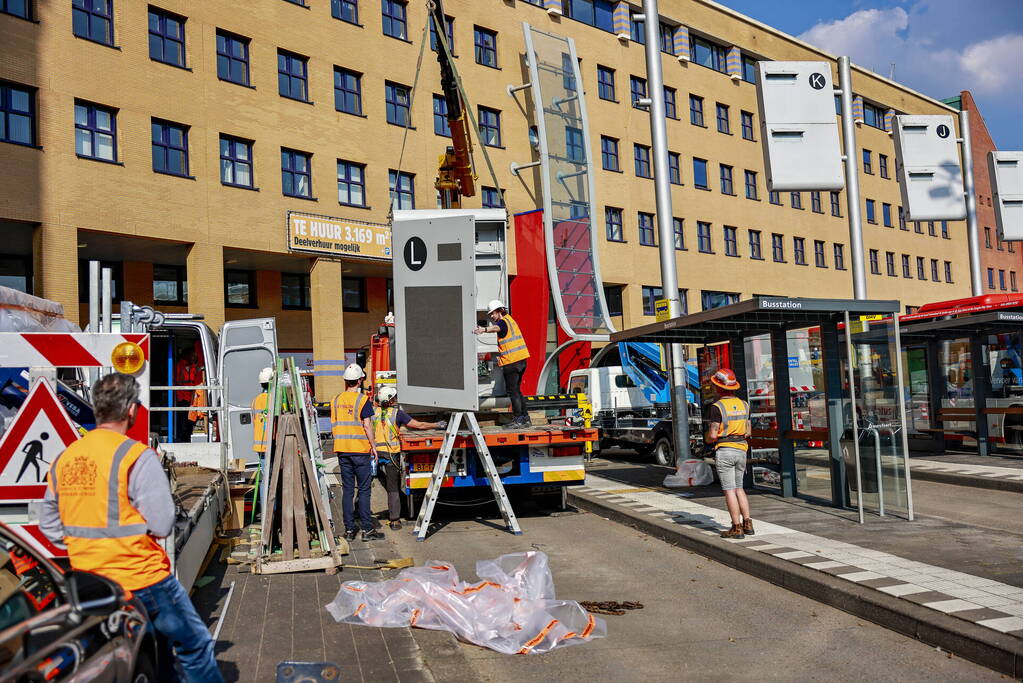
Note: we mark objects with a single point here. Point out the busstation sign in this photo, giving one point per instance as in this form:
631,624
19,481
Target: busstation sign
339,237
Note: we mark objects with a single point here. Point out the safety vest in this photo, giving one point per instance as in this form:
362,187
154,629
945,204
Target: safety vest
104,532
345,423
387,436
734,420
511,347
259,423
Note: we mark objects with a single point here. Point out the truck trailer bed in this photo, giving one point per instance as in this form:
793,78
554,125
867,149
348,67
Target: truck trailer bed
536,435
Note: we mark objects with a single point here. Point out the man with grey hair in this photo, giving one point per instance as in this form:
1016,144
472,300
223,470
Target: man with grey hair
108,501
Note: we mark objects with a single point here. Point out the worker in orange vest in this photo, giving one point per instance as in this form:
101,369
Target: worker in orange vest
187,373
259,416
511,358
729,433
351,424
108,501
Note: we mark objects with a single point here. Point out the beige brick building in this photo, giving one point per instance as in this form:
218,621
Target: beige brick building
158,139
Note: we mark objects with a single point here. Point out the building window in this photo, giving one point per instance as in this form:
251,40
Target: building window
674,168
678,229
944,234
930,231
906,272
706,53
696,110
873,115
778,247
93,20
889,261
17,114
998,237
292,76
749,69
166,37
722,117
882,165
232,58
751,184
948,275
347,91
235,161
402,189
646,229
711,299
613,224
637,87
449,34
920,274
492,199
345,10
819,259
296,173
667,35
902,219
774,197
836,208
731,242
485,45
886,215
575,151
394,18
746,119
353,294
726,180
871,212
606,83
609,153
670,110
799,250
875,267
700,173
703,241
934,271
1001,279
987,237
650,296
396,97
613,299
867,165
990,278
170,148
642,157
441,126
796,200
240,288
490,129
351,183
815,202
919,229
839,257
1012,278
18,8
170,285
754,245
95,131
637,30
295,293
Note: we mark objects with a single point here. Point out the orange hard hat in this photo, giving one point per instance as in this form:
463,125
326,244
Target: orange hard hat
725,379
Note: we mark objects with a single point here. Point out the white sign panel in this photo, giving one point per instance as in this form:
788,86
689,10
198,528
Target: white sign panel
799,126
435,310
1007,187
930,177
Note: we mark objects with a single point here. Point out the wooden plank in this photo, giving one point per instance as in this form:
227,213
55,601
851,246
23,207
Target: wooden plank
288,490
320,513
1004,411
270,504
301,530
299,565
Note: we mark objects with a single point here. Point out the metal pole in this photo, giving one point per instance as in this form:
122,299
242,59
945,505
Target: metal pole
973,239
852,180
94,296
665,229
107,301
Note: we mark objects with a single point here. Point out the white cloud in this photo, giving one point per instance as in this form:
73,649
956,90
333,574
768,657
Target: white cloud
993,65
873,32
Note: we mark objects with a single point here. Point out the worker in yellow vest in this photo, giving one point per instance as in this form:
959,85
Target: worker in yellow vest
511,358
729,433
351,424
388,420
108,501
259,416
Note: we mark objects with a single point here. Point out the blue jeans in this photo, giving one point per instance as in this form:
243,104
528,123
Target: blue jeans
356,470
180,632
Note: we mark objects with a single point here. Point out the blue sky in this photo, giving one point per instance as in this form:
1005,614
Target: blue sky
939,47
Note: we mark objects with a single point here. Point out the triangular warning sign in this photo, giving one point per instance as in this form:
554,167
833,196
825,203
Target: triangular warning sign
35,437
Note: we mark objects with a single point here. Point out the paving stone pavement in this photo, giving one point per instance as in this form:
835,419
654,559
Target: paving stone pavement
974,466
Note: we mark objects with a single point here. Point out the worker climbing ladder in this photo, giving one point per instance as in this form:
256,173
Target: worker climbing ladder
440,471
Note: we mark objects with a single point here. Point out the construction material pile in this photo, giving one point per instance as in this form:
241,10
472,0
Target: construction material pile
511,610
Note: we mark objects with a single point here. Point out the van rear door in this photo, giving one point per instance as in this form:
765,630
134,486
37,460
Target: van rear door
246,347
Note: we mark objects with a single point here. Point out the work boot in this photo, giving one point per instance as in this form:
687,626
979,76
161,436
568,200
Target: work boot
372,535
734,532
747,526
350,534
395,525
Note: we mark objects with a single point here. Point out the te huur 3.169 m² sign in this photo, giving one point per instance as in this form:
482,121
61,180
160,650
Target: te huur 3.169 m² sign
338,237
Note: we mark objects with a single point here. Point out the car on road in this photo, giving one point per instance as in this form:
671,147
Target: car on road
58,625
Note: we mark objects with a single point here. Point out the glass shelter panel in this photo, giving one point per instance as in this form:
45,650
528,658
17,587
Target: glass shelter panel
764,456
810,441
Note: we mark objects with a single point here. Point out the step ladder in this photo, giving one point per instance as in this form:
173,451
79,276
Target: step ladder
440,470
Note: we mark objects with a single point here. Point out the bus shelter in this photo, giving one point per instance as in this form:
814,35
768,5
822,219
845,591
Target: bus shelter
965,384
822,377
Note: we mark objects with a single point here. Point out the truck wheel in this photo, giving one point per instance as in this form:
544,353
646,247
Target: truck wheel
664,452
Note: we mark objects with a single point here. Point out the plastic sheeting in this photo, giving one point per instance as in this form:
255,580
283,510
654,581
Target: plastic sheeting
511,610
20,312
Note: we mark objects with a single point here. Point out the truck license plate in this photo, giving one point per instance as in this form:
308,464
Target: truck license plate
422,467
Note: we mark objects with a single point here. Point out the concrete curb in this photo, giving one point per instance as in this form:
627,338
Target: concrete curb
981,645
991,483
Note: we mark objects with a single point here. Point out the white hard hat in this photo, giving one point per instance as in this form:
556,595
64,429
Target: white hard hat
265,375
354,372
494,305
386,394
